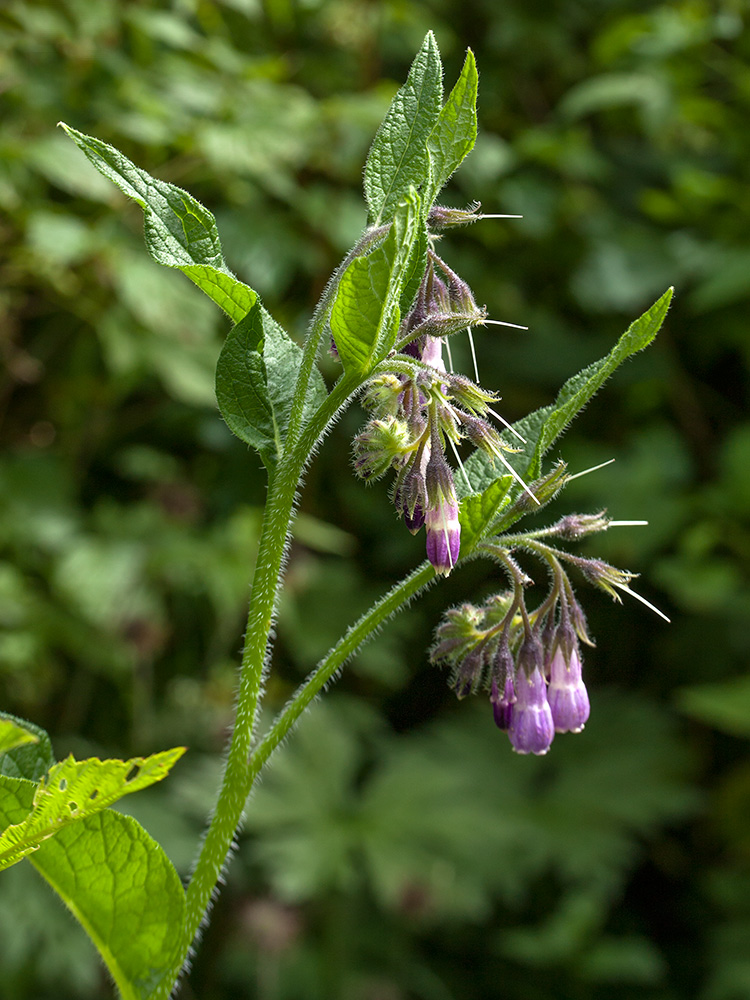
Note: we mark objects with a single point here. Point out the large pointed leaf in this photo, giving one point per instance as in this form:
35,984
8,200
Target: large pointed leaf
255,380
74,790
541,428
364,317
119,884
455,133
179,231
398,157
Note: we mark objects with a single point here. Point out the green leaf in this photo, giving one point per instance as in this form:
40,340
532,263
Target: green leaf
241,382
455,133
478,511
13,735
541,428
30,761
179,231
398,157
365,314
255,380
415,268
119,884
73,790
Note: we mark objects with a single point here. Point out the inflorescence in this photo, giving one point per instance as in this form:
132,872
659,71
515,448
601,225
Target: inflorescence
529,661
418,408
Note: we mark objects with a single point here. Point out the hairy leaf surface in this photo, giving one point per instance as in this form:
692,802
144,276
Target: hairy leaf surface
119,884
365,314
179,231
541,428
13,735
74,790
398,158
478,511
31,760
455,133
255,379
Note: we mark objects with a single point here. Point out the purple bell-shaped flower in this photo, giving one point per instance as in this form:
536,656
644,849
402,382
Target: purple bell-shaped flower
531,727
567,694
443,533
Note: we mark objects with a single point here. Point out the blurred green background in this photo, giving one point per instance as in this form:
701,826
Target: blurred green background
398,850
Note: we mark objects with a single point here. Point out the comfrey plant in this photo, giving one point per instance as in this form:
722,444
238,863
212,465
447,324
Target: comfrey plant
388,315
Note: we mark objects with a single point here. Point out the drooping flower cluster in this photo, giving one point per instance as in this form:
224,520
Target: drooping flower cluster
418,408
529,661
530,664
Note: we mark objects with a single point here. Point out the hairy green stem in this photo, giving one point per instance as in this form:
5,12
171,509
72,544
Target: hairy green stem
392,602
273,539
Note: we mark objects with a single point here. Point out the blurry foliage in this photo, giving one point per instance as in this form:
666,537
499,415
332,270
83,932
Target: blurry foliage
398,850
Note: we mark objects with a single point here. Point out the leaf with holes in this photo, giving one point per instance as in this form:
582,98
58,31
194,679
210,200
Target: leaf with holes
117,881
73,790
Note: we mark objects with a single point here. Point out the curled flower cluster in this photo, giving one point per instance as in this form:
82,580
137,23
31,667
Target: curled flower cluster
418,408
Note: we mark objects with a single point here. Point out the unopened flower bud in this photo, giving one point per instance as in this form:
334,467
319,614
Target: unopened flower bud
578,620
540,491
482,435
503,699
458,633
575,526
410,496
469,673
381,444
441,217
382,395
461,296
469,395
603,575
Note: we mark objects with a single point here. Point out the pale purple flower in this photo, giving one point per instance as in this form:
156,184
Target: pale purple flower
567,695
432,352
443,534
531,727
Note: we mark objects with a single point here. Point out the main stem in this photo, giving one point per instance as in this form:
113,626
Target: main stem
236,780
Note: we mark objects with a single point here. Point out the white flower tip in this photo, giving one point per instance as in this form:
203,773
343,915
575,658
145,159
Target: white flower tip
499,322
593,468
648,604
